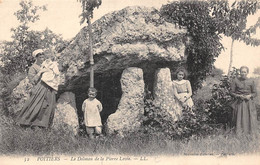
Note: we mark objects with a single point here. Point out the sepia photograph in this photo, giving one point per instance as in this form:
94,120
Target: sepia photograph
129,82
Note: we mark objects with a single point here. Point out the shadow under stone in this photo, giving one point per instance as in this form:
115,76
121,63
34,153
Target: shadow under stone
109,94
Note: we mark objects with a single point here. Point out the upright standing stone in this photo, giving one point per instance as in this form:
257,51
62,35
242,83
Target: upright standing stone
163,93
127,117
66,113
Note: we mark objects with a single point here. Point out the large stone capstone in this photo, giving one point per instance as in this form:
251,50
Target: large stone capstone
122,39
127,117
65,115
163,93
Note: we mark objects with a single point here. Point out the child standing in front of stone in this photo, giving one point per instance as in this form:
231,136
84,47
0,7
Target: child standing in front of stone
91,108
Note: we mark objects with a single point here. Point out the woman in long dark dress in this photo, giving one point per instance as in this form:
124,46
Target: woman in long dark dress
244,119
38,110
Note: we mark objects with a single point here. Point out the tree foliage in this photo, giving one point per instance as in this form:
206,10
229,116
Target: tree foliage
87,9
16,54
205,22
231,19
205,45
28,12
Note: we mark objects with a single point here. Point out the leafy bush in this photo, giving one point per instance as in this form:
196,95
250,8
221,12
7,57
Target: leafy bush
205,92
192,123
219,105
203,41
209,114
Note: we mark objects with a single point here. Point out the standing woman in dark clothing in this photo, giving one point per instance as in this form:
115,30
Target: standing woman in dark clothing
244,118
38,110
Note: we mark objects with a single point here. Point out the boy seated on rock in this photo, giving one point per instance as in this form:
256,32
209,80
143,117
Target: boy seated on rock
91,108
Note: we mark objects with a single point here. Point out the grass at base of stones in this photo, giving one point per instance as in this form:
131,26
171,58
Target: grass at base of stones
26,141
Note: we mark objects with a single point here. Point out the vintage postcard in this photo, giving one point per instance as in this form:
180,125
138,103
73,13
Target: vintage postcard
129,82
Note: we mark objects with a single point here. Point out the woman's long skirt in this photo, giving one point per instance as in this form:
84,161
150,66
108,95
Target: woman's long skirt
244,119
38,110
